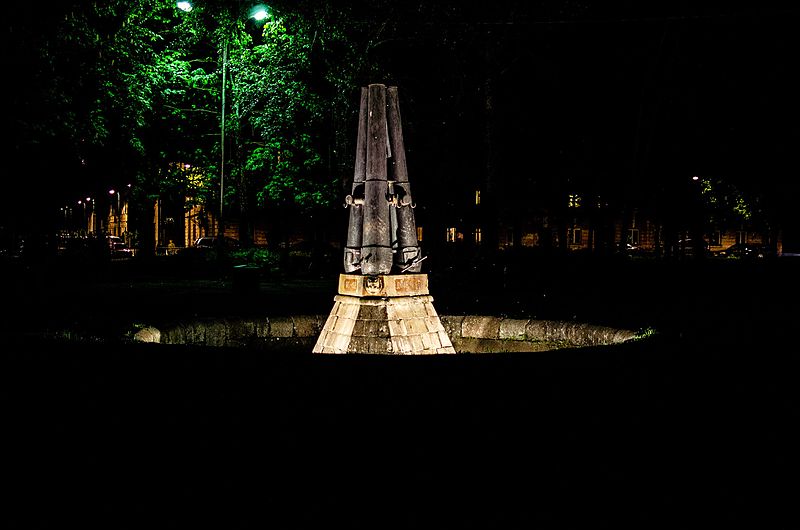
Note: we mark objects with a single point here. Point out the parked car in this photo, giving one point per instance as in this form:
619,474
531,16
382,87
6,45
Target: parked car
121,250
209,242
632,250
314,257
745,251
688,247
118,248
37,246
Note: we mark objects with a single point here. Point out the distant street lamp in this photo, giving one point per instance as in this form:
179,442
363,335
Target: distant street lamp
127,207
113,192
90,222
83,219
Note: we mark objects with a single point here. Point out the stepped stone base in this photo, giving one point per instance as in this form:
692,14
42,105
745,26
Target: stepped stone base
391,314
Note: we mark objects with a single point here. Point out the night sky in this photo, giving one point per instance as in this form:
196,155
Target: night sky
616,96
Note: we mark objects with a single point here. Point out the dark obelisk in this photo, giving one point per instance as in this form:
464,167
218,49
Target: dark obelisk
383,305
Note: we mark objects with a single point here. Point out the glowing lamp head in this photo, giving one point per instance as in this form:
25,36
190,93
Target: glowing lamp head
184,6
259,12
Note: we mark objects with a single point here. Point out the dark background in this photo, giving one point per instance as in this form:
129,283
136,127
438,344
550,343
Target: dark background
628,103
627,98
665,436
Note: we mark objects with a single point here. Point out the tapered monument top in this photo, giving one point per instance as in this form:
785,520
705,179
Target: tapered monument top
382,233
383,305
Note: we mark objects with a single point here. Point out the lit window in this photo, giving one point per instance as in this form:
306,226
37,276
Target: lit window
419,233
478,236
574,201
530,239
451,235
477,197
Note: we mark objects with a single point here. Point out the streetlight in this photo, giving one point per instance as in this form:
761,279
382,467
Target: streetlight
259,12
222,139
127,208
83,219
113,192
90,223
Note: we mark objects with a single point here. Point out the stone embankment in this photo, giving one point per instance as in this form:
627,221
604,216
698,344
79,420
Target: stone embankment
469,334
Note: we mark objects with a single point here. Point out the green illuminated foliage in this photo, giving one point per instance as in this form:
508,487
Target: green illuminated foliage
138,83
724,202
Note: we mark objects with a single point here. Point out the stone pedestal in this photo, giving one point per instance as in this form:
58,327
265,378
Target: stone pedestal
385,314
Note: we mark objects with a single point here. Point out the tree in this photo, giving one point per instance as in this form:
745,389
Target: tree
136,87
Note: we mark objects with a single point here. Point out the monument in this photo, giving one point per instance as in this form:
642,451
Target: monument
383,304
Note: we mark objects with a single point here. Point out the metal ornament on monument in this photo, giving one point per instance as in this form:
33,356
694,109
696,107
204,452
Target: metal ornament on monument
383,305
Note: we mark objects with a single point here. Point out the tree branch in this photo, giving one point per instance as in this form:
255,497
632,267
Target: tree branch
190,110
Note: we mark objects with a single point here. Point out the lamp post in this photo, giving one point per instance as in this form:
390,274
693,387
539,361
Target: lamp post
90,222
83,217
127,209
259,12
113,192
222,140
